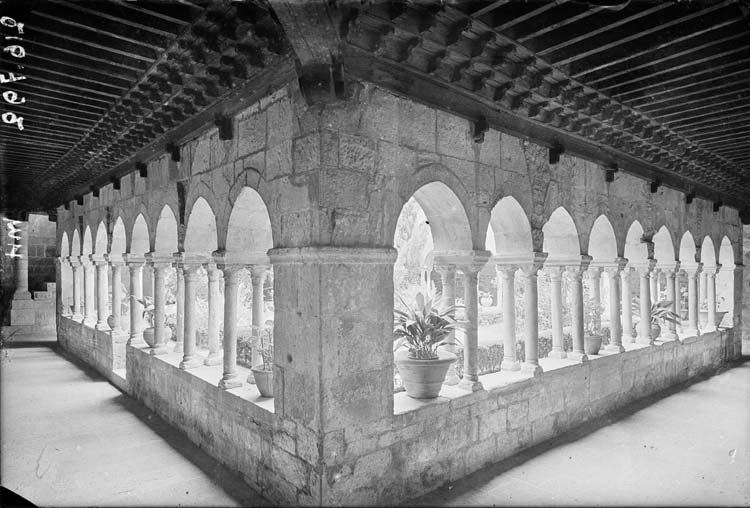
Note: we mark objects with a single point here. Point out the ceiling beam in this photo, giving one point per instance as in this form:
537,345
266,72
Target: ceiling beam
23,85
720,124
707,117
711,99
77,76
35,77
649,103
535,12
116,19
148,12
560,24
491,7
83,56
134,56
78,104
743,69
78,65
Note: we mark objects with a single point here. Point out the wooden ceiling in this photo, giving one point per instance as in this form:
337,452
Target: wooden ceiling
660,89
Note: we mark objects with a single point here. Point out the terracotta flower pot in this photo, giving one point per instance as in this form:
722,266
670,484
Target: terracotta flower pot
592,343
423,379
263,380
111,322
655,330
148,336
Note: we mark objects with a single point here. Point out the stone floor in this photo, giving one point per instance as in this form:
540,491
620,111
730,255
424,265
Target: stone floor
691,447
69,438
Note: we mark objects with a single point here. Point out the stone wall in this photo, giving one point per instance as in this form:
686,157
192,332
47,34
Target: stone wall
42,250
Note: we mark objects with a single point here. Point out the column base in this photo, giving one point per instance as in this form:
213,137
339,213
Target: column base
102,327
510,365
22,295
190,362
160,349
137,341
89,322
531,368
557,354
213,359
644,340
614,348
577,356
77,317
470,386
232,381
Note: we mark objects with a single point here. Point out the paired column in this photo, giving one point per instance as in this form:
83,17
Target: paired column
531,309
576,277
654,285
180,310
596,295
711,297
507,279
214,315
136,309
102,293
613,274
678,297
627,308
644,326
702,287
61,291
558,341
160,300
22,260
692,271
190,357
670,275
448,300
117,295
257,277
89,291
75,263
232,275
470,380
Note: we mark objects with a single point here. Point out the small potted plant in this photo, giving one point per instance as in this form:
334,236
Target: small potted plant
148,316
485,300
263,372
661,312
592,337
421,330
124,306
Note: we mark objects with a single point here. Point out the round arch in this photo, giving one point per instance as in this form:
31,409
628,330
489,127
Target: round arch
561,236
602,241
200,234
249,229
449,223
509,231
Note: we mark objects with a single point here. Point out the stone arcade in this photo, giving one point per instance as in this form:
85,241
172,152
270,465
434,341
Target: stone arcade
305,181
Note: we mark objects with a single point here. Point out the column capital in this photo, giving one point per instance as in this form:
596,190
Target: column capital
114,259
134,260
535,264
444,269
692,269
576,266
224,257
330,255
85,260
190,270
670,268
258,270
99,259
644,267
231,271
158,259
711,271
473,262
614,267
531,262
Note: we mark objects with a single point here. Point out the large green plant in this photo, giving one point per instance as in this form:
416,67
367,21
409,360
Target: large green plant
422,328
660,311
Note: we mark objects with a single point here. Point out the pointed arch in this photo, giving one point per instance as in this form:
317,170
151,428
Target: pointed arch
510,229
249,229
726,253
561,236
165,241
100,244
602,241
75,245
449,223
200,234
664,252
635,249
687,248
64,245
139,240
87,242
708,253
119,238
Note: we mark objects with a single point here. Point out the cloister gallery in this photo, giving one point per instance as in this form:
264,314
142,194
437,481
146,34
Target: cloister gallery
298,180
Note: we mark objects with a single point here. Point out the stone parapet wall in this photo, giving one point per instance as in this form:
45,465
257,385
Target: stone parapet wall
101,350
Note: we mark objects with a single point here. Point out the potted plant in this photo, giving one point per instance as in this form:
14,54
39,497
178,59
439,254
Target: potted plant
421,330
148,315
124,299
592,337
661,312
263,372
485,300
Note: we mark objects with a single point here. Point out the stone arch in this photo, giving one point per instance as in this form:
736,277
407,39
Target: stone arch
726,253
687,248
664,252
139,238
509,229
561,236
725,280
708,253
635,249
166,237
100,244
449,223
249,228
119,238
64,245
75,244
200,234
88,243
602,241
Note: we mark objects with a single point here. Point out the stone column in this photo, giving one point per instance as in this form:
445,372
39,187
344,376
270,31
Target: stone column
160,300
531,309
179,326
470,270
232,273
499,280
65,265
627,306
677,298
214,313
615,328
102,293
653,281
117,295
22,260
190,358
711,297
702,299
692,275
447,301
596,295
507,278
89,291
136,309
558,339
671,332
59,294
76,266
644,325
257,277
576,276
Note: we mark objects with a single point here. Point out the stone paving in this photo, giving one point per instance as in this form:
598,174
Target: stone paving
69,438
690,448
